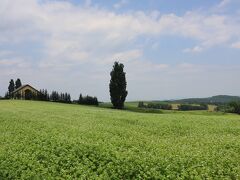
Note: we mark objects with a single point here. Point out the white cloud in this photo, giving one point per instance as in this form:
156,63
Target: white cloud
161,66
13,63
88,3
128,55
186,66
31,20
195,49
221,6
223,3
155,45
236,45
5,53
120,4
75,28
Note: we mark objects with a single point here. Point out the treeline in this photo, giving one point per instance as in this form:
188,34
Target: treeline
214,100
233,107
88,100
6,96
55,96
165,106
44,95
189,107
155,106
60,97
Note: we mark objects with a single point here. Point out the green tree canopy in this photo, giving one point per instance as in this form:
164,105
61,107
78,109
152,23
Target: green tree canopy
18,83
11,88
118,85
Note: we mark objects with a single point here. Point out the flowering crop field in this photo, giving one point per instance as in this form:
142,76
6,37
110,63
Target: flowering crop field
43,140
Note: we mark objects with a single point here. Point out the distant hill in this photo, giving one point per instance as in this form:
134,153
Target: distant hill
220,99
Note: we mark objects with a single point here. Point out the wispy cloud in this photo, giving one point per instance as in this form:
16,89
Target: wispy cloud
5,53
88,3
16,62
223,3
67,26
236,45
195,49
120,4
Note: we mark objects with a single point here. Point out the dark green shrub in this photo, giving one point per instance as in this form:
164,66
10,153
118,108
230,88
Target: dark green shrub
159,106
189,107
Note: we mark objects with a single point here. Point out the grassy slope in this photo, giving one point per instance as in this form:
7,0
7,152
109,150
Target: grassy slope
40,139
133,107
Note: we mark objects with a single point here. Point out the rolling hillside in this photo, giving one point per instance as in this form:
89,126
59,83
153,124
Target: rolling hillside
43,140
220,99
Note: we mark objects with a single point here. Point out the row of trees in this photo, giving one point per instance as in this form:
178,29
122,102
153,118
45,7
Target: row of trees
233,107
155,105
88,100
189,107
182,107
60,97
66,98
43,95
12,86
54,96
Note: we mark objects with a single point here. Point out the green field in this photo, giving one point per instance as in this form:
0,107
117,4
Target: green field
43,140
133,107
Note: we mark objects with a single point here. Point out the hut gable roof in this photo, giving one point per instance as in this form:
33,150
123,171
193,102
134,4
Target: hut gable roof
23,86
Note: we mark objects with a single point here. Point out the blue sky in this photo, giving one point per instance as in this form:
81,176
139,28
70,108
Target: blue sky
170,49
172,6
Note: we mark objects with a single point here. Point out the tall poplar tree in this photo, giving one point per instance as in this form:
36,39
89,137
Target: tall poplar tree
118,85
18,83
11,88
